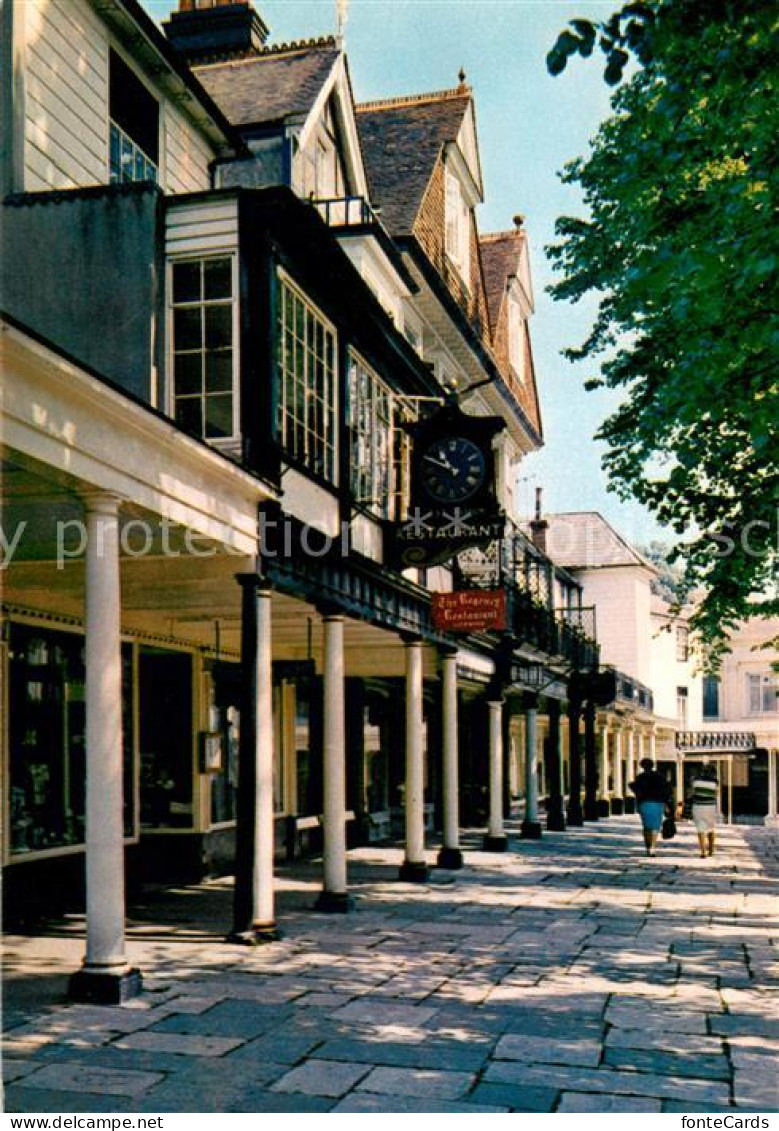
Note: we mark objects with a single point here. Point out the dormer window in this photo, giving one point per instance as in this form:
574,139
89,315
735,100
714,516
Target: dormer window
458,226
134,126
516,339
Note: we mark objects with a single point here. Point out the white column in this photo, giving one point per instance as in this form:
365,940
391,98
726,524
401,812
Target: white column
772,799
730,790
531,827
414,866
618,787
604,792
264,899
652,745
334,894
496,837
105,974
450,855
630,756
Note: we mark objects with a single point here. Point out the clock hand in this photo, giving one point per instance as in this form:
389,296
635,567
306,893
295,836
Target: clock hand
441,463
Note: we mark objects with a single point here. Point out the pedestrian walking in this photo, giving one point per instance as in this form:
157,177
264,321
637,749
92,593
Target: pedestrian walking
703,800
653,795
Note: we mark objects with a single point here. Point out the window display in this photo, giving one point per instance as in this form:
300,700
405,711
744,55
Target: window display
47,739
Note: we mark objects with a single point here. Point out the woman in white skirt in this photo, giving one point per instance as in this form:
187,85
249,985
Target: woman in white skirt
704,795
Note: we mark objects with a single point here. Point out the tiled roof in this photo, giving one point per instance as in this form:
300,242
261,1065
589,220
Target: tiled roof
279,84
585,540
401,140
500,260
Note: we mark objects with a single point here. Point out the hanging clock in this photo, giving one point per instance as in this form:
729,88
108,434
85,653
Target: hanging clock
453,463
453,469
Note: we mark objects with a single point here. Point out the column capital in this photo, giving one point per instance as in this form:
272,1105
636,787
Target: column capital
254,581
411,640
448,651
101,502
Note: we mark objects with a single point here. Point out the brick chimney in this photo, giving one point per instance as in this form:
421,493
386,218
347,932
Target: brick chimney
203,31
539,525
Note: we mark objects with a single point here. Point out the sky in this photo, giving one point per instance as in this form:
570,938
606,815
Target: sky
530,125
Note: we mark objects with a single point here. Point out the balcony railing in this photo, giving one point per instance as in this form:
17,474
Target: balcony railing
538,626
629,690
714,740
346,211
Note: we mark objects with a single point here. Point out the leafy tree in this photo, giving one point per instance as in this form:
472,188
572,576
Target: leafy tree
680,246
669,583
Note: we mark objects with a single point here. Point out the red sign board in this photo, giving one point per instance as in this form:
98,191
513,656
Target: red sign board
470,610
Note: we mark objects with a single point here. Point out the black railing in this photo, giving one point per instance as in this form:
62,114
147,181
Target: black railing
536,625
630,690
346,211
722,740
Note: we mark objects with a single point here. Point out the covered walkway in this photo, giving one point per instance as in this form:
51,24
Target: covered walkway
570,974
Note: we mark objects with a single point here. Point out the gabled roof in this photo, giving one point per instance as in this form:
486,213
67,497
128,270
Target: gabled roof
402,139
500,252
278,85
585,540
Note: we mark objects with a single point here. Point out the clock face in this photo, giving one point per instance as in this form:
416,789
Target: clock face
452,469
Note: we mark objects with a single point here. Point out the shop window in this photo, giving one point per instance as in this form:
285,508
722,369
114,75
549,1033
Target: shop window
166,739
307,395
308,778
204,335
47,739
134,126
227,722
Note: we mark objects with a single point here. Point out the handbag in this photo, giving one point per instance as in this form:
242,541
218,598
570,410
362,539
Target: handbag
669,828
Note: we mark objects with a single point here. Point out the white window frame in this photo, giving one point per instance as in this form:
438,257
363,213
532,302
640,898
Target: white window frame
516,336
197,257
368,472
766,687
457,226
331,447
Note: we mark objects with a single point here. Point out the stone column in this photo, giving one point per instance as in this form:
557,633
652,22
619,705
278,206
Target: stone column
450,855
630,769
106,975
334,896
414,867
617,798
575,812
254,916
531,826
495,839
604,790
771,818
590,765
555,810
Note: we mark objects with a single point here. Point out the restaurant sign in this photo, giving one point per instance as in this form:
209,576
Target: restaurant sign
470,610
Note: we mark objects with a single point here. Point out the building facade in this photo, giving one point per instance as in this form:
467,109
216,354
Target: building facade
222,310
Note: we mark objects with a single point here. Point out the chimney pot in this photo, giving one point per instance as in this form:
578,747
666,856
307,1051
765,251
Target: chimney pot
204,30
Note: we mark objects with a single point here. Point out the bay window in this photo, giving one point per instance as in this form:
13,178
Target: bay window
307,396
204,316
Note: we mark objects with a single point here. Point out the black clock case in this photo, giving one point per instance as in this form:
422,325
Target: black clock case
451,422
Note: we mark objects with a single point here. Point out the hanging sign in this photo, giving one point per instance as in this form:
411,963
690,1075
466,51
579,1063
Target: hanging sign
470,610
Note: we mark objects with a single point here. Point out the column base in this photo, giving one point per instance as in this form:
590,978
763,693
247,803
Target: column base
414,873
590,810
334,903
555,821
575,815
450,858
104,989
531,830
604,807
256,935
617,806
630,804
495,843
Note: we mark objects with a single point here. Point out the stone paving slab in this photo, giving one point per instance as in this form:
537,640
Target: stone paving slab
571,974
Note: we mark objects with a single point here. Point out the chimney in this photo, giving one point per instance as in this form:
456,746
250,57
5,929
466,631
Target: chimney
204,31
539,525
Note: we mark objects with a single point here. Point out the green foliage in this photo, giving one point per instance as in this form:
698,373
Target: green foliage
680,247
669,584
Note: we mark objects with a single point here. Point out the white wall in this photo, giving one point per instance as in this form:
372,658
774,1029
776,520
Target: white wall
748,654
66,50
621,595
668,673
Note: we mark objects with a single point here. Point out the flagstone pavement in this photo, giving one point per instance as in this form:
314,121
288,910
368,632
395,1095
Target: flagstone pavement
571,974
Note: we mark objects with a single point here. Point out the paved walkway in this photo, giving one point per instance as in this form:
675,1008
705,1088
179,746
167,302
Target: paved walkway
571,974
